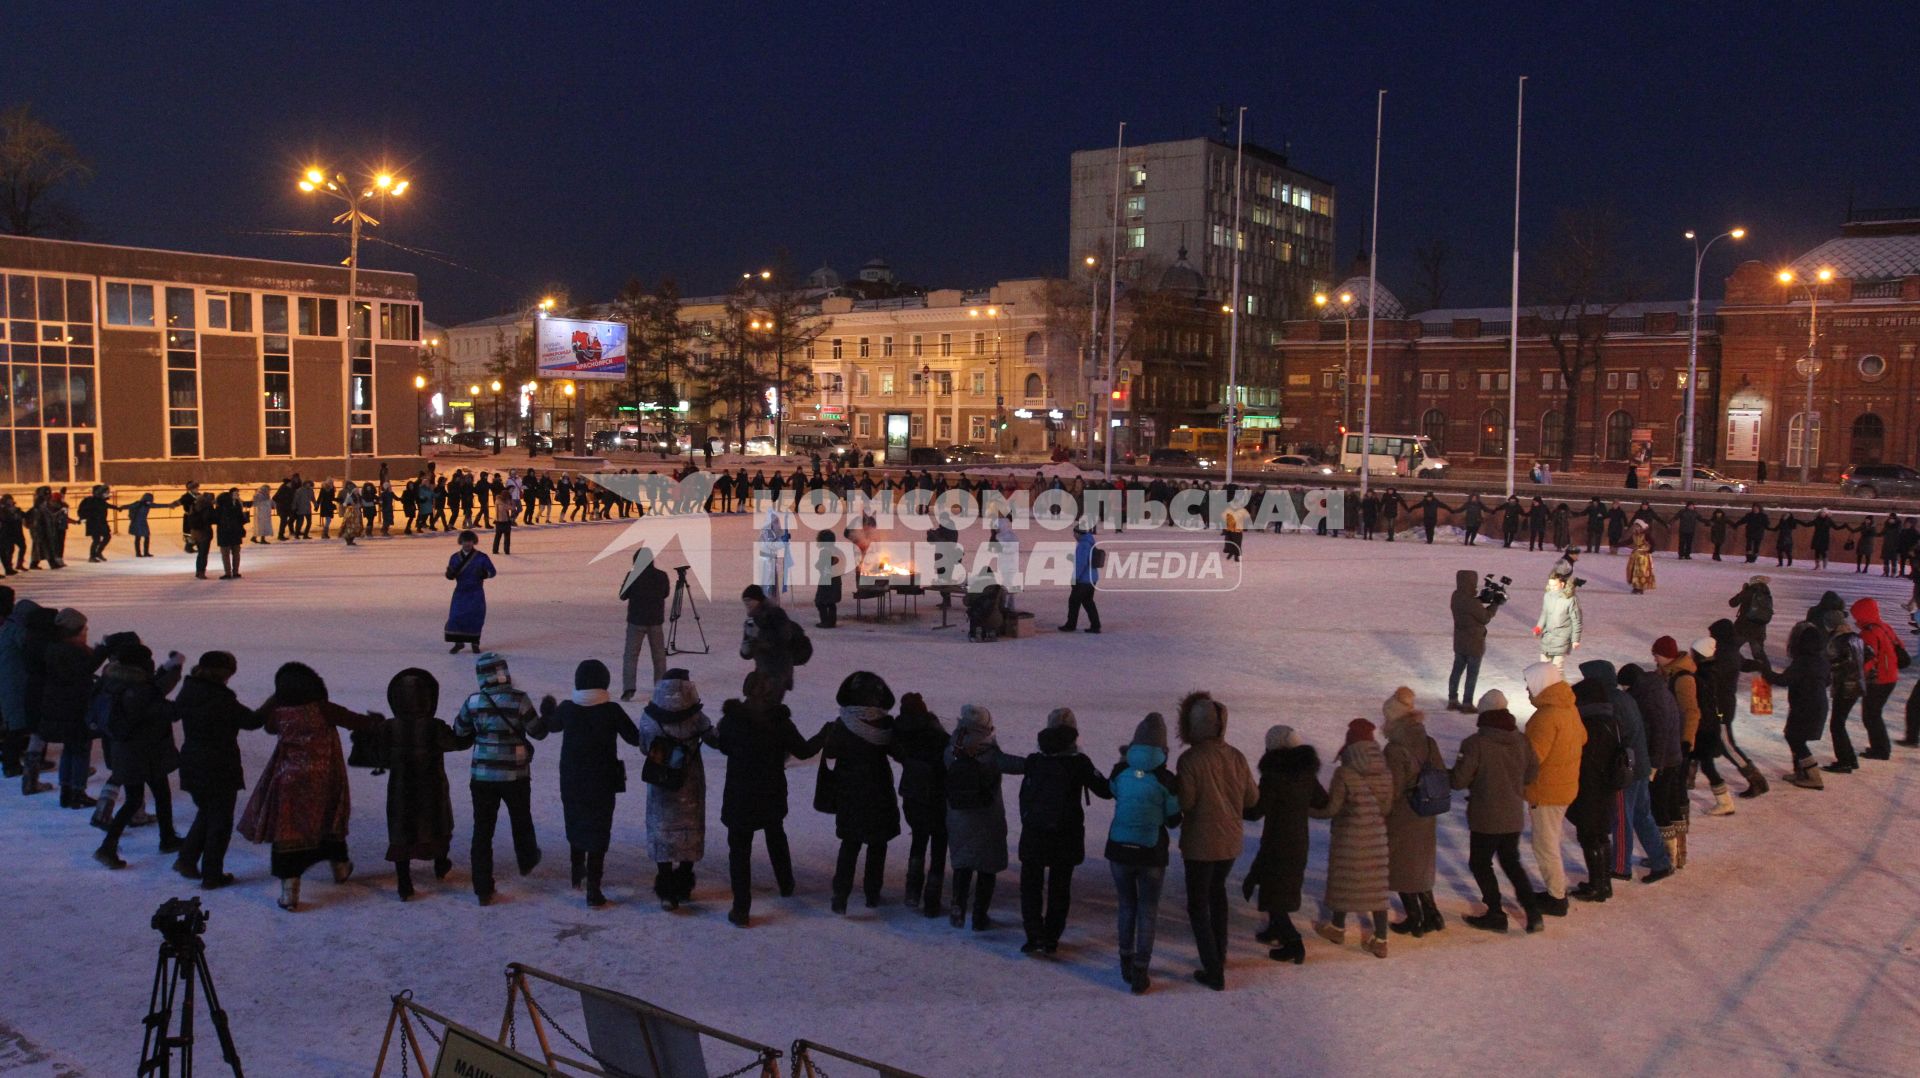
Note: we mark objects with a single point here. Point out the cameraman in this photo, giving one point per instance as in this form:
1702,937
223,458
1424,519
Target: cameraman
645,591
1470,617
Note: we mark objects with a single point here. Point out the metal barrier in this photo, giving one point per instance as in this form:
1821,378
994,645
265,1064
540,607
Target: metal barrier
640,1040
806,1065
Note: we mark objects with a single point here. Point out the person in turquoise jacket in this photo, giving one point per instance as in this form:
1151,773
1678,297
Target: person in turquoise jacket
1086,575
1145,803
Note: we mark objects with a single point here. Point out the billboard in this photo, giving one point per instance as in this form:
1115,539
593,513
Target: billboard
578,349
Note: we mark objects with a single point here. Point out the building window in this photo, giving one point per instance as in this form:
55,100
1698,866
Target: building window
273,315
127,304
1869,440
1493,433
979,344
866,348
362,407
1136,205
399,322
183,393
1613,379
1327,379
839,351
1444,379
976,428
277,395
1486,381
946,344
866,384
979,383
318,317
1633,379
1546,381
919,425
1036,388
1872,367
863,425
1553,431
886,347
1426,379
1434,426
946,428
1619,435
886,383
919,345
1137,237
1797,437
1137,176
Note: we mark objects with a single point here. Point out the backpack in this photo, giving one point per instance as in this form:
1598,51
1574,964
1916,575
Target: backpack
666,763
1759,604
1098,559
104,713
969,783
1432,792
799,648
1619,768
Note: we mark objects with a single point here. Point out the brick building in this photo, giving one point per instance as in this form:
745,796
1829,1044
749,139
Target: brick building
1444,374
136,366
1867,342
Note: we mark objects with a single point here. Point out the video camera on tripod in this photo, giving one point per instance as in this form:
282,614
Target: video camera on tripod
1493,590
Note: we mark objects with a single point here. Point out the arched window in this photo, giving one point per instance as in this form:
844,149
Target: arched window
1553,430
1434,426
1493,433
1035,389
1798,436
1036,347
1869,439
1619,435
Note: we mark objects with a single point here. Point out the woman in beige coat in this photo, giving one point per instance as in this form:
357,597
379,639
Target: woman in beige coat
1357,802
1410,836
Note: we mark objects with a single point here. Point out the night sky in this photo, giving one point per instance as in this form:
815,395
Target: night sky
575,145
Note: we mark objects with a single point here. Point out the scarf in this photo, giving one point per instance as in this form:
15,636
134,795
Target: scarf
590,697
869,724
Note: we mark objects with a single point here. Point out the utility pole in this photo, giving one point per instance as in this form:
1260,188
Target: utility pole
1233,320
1513,320
1113,294
1373,255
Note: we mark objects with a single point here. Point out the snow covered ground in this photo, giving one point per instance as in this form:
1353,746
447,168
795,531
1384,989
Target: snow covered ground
1788,945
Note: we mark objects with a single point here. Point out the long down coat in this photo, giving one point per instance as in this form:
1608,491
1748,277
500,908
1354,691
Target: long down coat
1410,836
419,802
1357,800
591,776
677,819
1289,788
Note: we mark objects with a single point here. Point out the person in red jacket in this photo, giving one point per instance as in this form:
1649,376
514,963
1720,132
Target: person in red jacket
1884,663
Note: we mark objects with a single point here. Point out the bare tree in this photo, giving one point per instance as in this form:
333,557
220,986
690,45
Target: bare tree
760,343
656,348
1582,278
1431,261
37,162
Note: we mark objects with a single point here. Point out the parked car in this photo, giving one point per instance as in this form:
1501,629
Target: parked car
538,442
1880,481
1298,463
966,454
1179,458
474,439
759,446
1667,477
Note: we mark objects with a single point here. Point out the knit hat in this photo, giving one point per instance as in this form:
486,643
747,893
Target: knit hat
1062,716
1759,580
1666,648
1282,737
591,674
1399,705
975,728
913,709
1152,732
864,688
1492,700
1540,675
1359,730
1705,647
754,592
491,668
69,621
213,663
1202,718
136,655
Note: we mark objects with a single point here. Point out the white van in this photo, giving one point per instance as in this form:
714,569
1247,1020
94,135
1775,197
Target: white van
1409,455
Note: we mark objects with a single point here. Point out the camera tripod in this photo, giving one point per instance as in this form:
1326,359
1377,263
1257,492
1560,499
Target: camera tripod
183,961
683,595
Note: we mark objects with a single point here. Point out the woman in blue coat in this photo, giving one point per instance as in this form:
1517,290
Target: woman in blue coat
138,528
467,613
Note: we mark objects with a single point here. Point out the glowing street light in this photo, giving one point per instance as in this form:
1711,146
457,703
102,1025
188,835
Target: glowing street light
1693,346
1809,364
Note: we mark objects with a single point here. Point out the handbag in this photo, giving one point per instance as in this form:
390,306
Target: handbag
365,751
665,765
826,786
620,776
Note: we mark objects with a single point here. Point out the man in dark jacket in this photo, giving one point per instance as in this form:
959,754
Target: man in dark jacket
1053,828
139,727
767,638
1755,524
645,591
1652,730
1495,765
211,719
756,734
1685,523
1754,603
1470,618
66,687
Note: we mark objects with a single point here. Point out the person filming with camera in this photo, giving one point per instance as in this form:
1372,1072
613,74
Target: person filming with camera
1473,606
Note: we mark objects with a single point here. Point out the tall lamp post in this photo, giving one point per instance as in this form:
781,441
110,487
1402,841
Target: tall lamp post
573,443
1693,345
1084,425
994,313
380,185
494,386
420,404
1321,300
1809,365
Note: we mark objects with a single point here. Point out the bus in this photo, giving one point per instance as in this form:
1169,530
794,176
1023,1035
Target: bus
1393,454
1211,442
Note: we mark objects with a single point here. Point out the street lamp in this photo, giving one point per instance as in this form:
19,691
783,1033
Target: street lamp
420,404
573,442
999,394
383,184
495,387
1809,365
1085,425
1693,345
1321,300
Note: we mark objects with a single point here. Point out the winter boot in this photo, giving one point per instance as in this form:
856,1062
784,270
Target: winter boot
290,894
170,841
916,880
1415,921
1722,801
1670,838
30,768
442,866
1806,776
342,870
1680,848
103,807
1598,885
1327,930
982,900
930,904
684,881
1494,920
403,879
1435,922
578,858
1293,950
1375,946
109,855
663,889
596,866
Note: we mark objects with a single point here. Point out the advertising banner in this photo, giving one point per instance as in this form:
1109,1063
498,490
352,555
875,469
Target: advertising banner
577,349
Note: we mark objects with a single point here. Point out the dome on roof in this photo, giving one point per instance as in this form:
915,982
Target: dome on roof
824,277
1389,305
1864,258
1183,278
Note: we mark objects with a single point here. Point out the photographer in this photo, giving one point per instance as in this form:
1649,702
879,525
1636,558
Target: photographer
645,591
1472,609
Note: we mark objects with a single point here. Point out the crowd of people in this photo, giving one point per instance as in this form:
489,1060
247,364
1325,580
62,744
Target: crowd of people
1615,753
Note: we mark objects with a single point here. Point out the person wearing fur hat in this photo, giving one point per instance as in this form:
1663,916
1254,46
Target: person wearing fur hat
1053,828
1555,732
1592,810
1495,766
756,734
1558,626
1411,837
140,746
1289,788
1217,789
66,686
1656,753
1806,679
412,746
920,745
1719,696
592,777
857,744
976,814
1640,559
499,718
672,728
302,806
1358,799
1146,802
469,570
211,718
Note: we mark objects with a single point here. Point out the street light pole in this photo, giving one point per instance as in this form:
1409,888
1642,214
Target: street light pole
1233,321
1366,408
1693,347
1113,295
1513,315
1809,364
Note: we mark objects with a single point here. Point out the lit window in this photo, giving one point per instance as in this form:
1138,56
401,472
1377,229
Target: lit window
866,349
